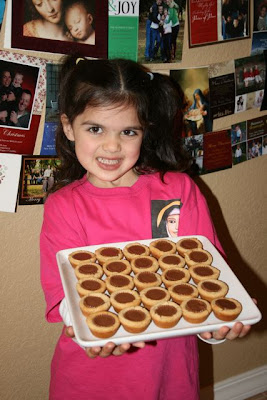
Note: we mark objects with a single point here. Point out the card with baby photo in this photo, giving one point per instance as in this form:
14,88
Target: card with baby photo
215,21
161,31
38,175
10,165
194,83
61,27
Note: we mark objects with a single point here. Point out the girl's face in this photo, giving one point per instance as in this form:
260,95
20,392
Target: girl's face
78,22
107,143
50,10
173,224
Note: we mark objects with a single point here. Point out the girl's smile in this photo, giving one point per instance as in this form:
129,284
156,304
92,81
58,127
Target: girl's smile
107,143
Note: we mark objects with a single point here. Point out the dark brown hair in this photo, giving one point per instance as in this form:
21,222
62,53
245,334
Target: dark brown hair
156,98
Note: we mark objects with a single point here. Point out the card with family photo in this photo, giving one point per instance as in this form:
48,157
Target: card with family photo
20,112
38,175
161,31
215,21
61,26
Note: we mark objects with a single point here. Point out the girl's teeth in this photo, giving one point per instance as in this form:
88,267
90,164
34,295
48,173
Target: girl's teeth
106,161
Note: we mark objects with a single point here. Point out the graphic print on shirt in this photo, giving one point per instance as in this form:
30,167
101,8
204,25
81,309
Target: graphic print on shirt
165,216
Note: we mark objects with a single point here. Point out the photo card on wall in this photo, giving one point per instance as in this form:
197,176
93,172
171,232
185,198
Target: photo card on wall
194,83
21,101
55,30
10,165
161,31
250,76
215,21
38,175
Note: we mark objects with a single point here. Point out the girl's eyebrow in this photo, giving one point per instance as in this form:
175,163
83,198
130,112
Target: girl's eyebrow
138,127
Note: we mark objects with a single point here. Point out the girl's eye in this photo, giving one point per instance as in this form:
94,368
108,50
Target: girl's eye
128,132
95,129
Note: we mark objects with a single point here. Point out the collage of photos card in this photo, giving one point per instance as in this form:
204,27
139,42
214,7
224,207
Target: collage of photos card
161,31
214,21
250,74
38,175
249,139
56,30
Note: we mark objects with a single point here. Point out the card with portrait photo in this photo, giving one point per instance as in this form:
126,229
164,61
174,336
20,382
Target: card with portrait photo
66,28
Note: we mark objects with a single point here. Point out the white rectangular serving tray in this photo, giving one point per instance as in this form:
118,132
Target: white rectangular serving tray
250,314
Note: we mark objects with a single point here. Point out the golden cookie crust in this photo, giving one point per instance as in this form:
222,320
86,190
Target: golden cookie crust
195,310
186,244
81,256
135,319
211,289
103,324
166,315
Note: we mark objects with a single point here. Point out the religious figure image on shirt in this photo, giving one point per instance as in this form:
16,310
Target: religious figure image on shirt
165,215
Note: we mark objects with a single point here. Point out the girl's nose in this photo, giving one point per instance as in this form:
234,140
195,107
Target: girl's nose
112,144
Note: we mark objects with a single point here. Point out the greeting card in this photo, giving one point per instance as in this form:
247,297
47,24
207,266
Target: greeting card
10,165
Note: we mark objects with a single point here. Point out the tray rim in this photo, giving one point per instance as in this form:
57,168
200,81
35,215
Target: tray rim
190,329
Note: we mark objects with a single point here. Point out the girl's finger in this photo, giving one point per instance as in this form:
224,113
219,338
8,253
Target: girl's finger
119,350
140,345
235,331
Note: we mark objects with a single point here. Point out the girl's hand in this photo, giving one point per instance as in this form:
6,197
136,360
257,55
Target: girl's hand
237,331
109,348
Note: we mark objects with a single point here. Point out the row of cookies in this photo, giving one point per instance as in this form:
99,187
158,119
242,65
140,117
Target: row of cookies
156,248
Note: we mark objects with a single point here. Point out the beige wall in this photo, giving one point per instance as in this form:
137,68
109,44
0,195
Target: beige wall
237,199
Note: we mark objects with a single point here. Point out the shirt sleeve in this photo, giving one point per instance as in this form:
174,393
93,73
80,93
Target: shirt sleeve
60,230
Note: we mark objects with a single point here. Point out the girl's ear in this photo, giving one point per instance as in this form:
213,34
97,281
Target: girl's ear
67,128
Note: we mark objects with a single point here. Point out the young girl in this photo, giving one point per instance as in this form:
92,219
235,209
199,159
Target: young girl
120,152
79,21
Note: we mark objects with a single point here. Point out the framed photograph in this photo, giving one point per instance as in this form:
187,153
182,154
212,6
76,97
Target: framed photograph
215,21
38,175
67,27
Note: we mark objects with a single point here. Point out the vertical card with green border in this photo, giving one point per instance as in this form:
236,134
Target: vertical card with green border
123,29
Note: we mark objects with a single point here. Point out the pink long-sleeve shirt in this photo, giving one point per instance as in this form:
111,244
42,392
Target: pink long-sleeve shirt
81,215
